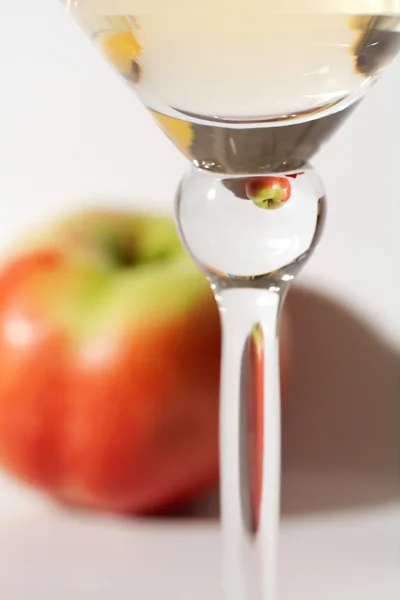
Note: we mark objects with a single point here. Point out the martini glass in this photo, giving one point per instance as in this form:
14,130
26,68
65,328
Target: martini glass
248,90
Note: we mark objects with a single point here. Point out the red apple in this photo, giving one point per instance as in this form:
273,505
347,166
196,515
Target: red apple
269,192
109,365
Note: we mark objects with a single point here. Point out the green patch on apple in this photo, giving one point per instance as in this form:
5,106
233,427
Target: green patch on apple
269,192
119,268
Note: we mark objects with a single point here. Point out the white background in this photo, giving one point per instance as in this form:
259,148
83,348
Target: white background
71,133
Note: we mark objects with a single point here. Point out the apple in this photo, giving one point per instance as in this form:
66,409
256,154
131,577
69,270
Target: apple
109,365
269,192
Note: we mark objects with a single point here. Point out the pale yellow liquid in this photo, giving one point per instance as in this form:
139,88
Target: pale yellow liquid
242,58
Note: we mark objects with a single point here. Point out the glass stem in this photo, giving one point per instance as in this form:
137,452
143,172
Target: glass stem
250,252
250,442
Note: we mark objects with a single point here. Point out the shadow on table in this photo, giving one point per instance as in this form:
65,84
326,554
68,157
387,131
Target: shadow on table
341,438
341,442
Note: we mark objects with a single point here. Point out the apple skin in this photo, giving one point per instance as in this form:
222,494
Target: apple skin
269,192
110,360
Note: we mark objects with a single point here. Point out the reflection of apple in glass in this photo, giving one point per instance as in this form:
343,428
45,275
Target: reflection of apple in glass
109,365
269,192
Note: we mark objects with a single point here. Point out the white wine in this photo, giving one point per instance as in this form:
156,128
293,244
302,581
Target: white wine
246,85
245,59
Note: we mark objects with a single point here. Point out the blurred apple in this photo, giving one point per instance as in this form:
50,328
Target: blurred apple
109,365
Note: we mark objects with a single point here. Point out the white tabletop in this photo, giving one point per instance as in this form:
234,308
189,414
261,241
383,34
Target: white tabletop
72,134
